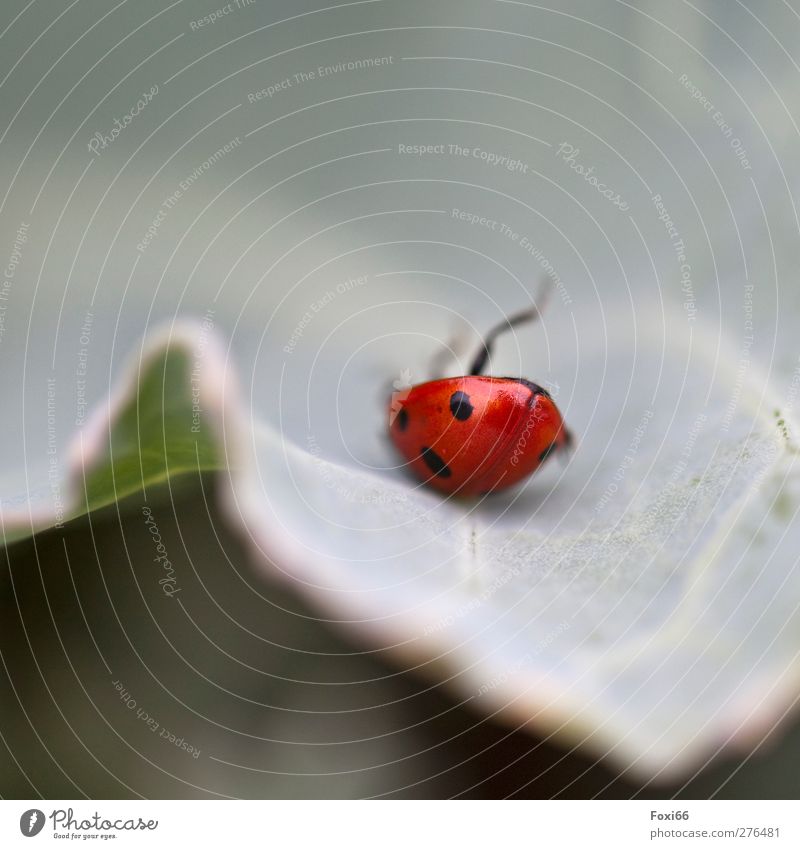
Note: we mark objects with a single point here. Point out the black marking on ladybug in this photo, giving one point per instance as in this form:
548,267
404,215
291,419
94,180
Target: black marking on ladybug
402,419
534,387
460,406
435,463
547,452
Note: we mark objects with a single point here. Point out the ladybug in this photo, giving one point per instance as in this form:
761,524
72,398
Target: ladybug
475,434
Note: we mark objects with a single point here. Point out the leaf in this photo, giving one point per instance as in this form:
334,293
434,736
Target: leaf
646,611
651,621
153,434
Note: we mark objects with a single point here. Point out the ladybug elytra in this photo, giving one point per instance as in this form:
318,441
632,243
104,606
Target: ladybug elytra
475,434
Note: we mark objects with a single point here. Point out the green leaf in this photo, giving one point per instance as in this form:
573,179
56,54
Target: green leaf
158,432
155,436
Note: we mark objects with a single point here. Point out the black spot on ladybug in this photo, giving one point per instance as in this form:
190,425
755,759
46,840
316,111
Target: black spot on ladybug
460,406
402,419
435,463
547,452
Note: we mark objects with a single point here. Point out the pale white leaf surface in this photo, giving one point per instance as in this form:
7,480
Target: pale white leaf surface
654,621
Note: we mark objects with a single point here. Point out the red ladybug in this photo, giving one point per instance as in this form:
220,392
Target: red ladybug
473,435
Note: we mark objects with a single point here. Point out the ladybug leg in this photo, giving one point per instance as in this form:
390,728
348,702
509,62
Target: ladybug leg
528,315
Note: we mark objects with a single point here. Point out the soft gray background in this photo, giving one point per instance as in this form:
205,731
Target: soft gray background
307,201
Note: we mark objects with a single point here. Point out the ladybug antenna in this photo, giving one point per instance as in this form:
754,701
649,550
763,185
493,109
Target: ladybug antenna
528,315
